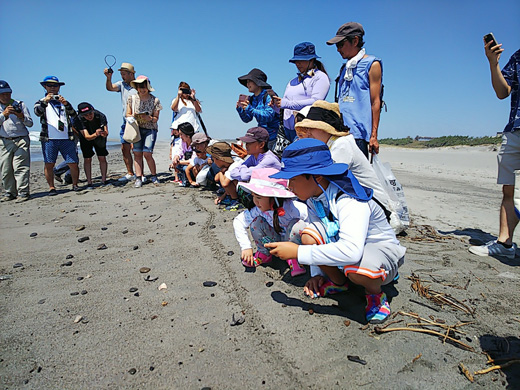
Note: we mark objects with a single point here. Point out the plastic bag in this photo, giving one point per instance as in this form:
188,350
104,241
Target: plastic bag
400,218
201,178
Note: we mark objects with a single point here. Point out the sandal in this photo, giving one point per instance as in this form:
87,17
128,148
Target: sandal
330,288
261,258
53,192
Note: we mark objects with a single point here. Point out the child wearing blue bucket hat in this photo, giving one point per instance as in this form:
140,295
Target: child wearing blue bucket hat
349,237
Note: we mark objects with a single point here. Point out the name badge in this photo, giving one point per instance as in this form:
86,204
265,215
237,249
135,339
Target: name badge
348,99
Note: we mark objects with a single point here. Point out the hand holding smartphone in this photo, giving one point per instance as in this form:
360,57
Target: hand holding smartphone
242,98
490,38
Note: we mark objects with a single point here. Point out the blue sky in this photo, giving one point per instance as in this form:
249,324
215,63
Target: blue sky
435,73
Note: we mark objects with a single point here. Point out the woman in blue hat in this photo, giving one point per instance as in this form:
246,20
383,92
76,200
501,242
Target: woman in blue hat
349,237
312,83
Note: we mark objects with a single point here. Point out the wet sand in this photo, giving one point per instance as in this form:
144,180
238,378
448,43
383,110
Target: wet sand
181,336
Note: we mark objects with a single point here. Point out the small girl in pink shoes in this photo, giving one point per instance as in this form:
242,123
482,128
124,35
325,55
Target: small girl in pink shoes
276,216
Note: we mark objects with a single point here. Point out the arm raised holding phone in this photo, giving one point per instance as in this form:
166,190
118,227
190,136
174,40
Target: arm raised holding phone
493,52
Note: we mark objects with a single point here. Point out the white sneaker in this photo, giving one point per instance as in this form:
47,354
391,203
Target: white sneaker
127,177
138,183
493,248
144,179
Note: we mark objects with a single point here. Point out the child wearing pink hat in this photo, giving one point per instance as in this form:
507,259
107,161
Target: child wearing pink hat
276,216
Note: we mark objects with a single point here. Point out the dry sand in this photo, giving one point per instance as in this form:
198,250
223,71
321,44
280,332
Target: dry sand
182,337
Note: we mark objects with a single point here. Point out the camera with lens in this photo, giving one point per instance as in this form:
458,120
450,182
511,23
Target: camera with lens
55,97
17,106
186,91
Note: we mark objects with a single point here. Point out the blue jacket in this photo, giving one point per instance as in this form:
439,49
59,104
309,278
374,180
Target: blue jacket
262,112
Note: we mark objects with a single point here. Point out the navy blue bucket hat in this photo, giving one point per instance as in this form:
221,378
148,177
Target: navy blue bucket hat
303,52
311,156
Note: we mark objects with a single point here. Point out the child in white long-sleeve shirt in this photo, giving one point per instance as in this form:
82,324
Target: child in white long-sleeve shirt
276,216
354,240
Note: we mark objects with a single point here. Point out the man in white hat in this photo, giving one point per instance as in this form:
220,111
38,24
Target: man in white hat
124,86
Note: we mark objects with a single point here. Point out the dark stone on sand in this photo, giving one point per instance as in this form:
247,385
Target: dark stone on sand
209,283
152,368
41,301
74,293
83,292
104,228
101,247
230,253
33,234
144,270
269,284
136,294
18,265
212,226
67,264
132,371
212,295
191,223
133,289
79,278
150,240
69,257
136,247
82,239
124,231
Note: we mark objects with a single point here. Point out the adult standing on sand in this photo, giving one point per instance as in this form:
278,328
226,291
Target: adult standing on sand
505,83
56,115
360,86
127,72
15,157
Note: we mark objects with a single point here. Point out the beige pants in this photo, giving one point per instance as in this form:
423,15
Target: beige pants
15,159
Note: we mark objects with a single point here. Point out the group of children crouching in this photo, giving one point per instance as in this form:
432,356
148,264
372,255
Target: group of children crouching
307,209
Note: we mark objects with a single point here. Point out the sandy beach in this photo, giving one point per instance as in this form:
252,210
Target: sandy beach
83,315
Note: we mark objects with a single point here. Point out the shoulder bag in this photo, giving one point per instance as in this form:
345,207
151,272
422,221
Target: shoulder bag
132,133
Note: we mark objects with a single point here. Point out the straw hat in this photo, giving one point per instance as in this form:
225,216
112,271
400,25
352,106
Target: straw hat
324,116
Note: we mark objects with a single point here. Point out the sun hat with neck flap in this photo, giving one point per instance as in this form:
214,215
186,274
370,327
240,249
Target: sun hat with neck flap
324,116
311,156
262,184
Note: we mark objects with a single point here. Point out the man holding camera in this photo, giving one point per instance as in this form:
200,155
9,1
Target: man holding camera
57,135
127,72
15,155
505,83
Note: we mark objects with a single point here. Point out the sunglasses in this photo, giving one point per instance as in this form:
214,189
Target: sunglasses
52,85
340,44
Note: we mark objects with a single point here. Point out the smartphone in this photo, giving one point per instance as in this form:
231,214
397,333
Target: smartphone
186,90
242,98
490,38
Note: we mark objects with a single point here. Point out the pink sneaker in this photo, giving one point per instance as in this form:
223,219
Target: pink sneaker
261,258
296,268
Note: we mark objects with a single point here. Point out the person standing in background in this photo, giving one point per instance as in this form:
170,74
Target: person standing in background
15,156
127,72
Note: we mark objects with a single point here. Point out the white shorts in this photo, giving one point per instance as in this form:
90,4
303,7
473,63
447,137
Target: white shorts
508,158
379,260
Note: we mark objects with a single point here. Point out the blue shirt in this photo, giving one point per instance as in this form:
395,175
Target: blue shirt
354,99
511,73
262,112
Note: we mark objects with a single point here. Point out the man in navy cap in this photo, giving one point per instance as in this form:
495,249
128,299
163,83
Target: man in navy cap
360,87
57,135
14,145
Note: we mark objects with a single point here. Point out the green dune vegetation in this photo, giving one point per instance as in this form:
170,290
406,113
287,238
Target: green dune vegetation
431,142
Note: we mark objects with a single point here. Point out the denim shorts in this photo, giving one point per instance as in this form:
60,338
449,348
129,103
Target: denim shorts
66,147
147,142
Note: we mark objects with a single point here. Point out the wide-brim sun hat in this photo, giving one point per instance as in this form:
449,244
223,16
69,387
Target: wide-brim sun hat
311,156
51,80
323,115
142,79
304,51
263,185
256,76
221,151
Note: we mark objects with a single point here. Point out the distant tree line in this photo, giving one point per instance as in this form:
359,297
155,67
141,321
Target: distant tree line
450,140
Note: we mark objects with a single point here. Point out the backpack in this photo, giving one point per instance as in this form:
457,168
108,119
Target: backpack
336,97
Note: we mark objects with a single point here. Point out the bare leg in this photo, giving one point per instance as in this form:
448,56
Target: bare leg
74,173
87,164
103,166
230,187
49,174
138,163
127,157
372,286
151,162
508,219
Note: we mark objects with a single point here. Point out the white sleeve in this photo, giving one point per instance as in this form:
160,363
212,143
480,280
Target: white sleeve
240,225
354,217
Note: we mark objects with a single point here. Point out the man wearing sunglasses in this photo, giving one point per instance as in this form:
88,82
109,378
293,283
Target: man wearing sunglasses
360,87
57,134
